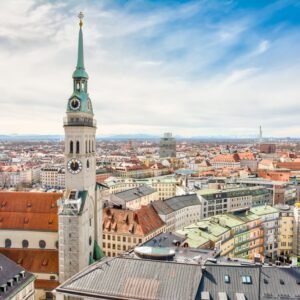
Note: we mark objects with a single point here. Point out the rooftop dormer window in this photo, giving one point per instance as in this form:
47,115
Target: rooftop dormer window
246,279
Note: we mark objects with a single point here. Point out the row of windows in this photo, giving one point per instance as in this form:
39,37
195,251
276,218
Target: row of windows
113,246
124,238
25,244
89,147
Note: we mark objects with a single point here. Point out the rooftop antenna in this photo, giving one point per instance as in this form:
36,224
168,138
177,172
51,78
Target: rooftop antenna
260,136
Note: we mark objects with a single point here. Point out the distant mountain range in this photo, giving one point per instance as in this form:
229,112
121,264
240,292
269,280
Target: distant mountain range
121,137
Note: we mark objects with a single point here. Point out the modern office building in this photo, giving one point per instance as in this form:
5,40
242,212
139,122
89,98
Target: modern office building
167,146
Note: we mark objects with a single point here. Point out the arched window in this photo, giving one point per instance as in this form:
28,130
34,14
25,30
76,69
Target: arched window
93,146
71,147
42,244
86,147
77,147
25,244
87,164
89,146
7,243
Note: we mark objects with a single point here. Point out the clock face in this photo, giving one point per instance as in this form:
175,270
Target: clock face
74,103
74,166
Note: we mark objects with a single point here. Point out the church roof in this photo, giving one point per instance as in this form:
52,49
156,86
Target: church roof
34,260
29,211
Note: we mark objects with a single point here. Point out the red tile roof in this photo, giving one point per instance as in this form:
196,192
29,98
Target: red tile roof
29,211
226,158
29,202
291,165
139,222
44,284
29,221
34,260
246,156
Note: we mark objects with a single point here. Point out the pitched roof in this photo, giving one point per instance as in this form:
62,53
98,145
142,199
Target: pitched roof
135,193
162,207
34,260
139,222
29,202
127,278
246,156
44,284
213,281
29,221
291,165
280,283
8,270
226,158
179,202
29,211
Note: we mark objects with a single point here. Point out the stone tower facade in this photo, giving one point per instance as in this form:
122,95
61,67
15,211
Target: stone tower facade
78,208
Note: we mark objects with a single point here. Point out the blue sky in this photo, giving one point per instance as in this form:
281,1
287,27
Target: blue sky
190,67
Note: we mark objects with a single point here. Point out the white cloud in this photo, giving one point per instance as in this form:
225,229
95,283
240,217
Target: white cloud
146,75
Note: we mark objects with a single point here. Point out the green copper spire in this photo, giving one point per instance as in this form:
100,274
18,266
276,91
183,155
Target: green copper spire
80,70
80,101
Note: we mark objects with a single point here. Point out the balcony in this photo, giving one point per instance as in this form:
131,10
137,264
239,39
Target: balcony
80,121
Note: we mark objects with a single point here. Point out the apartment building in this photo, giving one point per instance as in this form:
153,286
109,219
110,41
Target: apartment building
216,202
123,229
226,161
165,185
179,211
134,198
296,237
270,222
140,171
53,177
12,176
233,235
286,230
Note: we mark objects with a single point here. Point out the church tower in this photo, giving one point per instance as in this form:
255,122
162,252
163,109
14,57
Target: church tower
77,209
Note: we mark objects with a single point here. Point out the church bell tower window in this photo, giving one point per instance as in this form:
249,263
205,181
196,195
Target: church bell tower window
77,147
71,147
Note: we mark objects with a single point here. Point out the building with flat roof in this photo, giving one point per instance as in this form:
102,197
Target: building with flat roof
219,201
167,146
270,222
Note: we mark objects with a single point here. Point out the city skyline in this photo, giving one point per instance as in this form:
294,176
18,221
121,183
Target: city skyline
196,68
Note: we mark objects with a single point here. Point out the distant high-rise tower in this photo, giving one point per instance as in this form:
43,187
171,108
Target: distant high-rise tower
167,146
78,207
260,136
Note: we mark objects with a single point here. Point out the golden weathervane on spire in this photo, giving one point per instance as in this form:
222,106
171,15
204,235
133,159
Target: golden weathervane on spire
80,16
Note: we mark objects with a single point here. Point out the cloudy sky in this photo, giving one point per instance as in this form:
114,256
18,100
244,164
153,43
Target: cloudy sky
204,67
